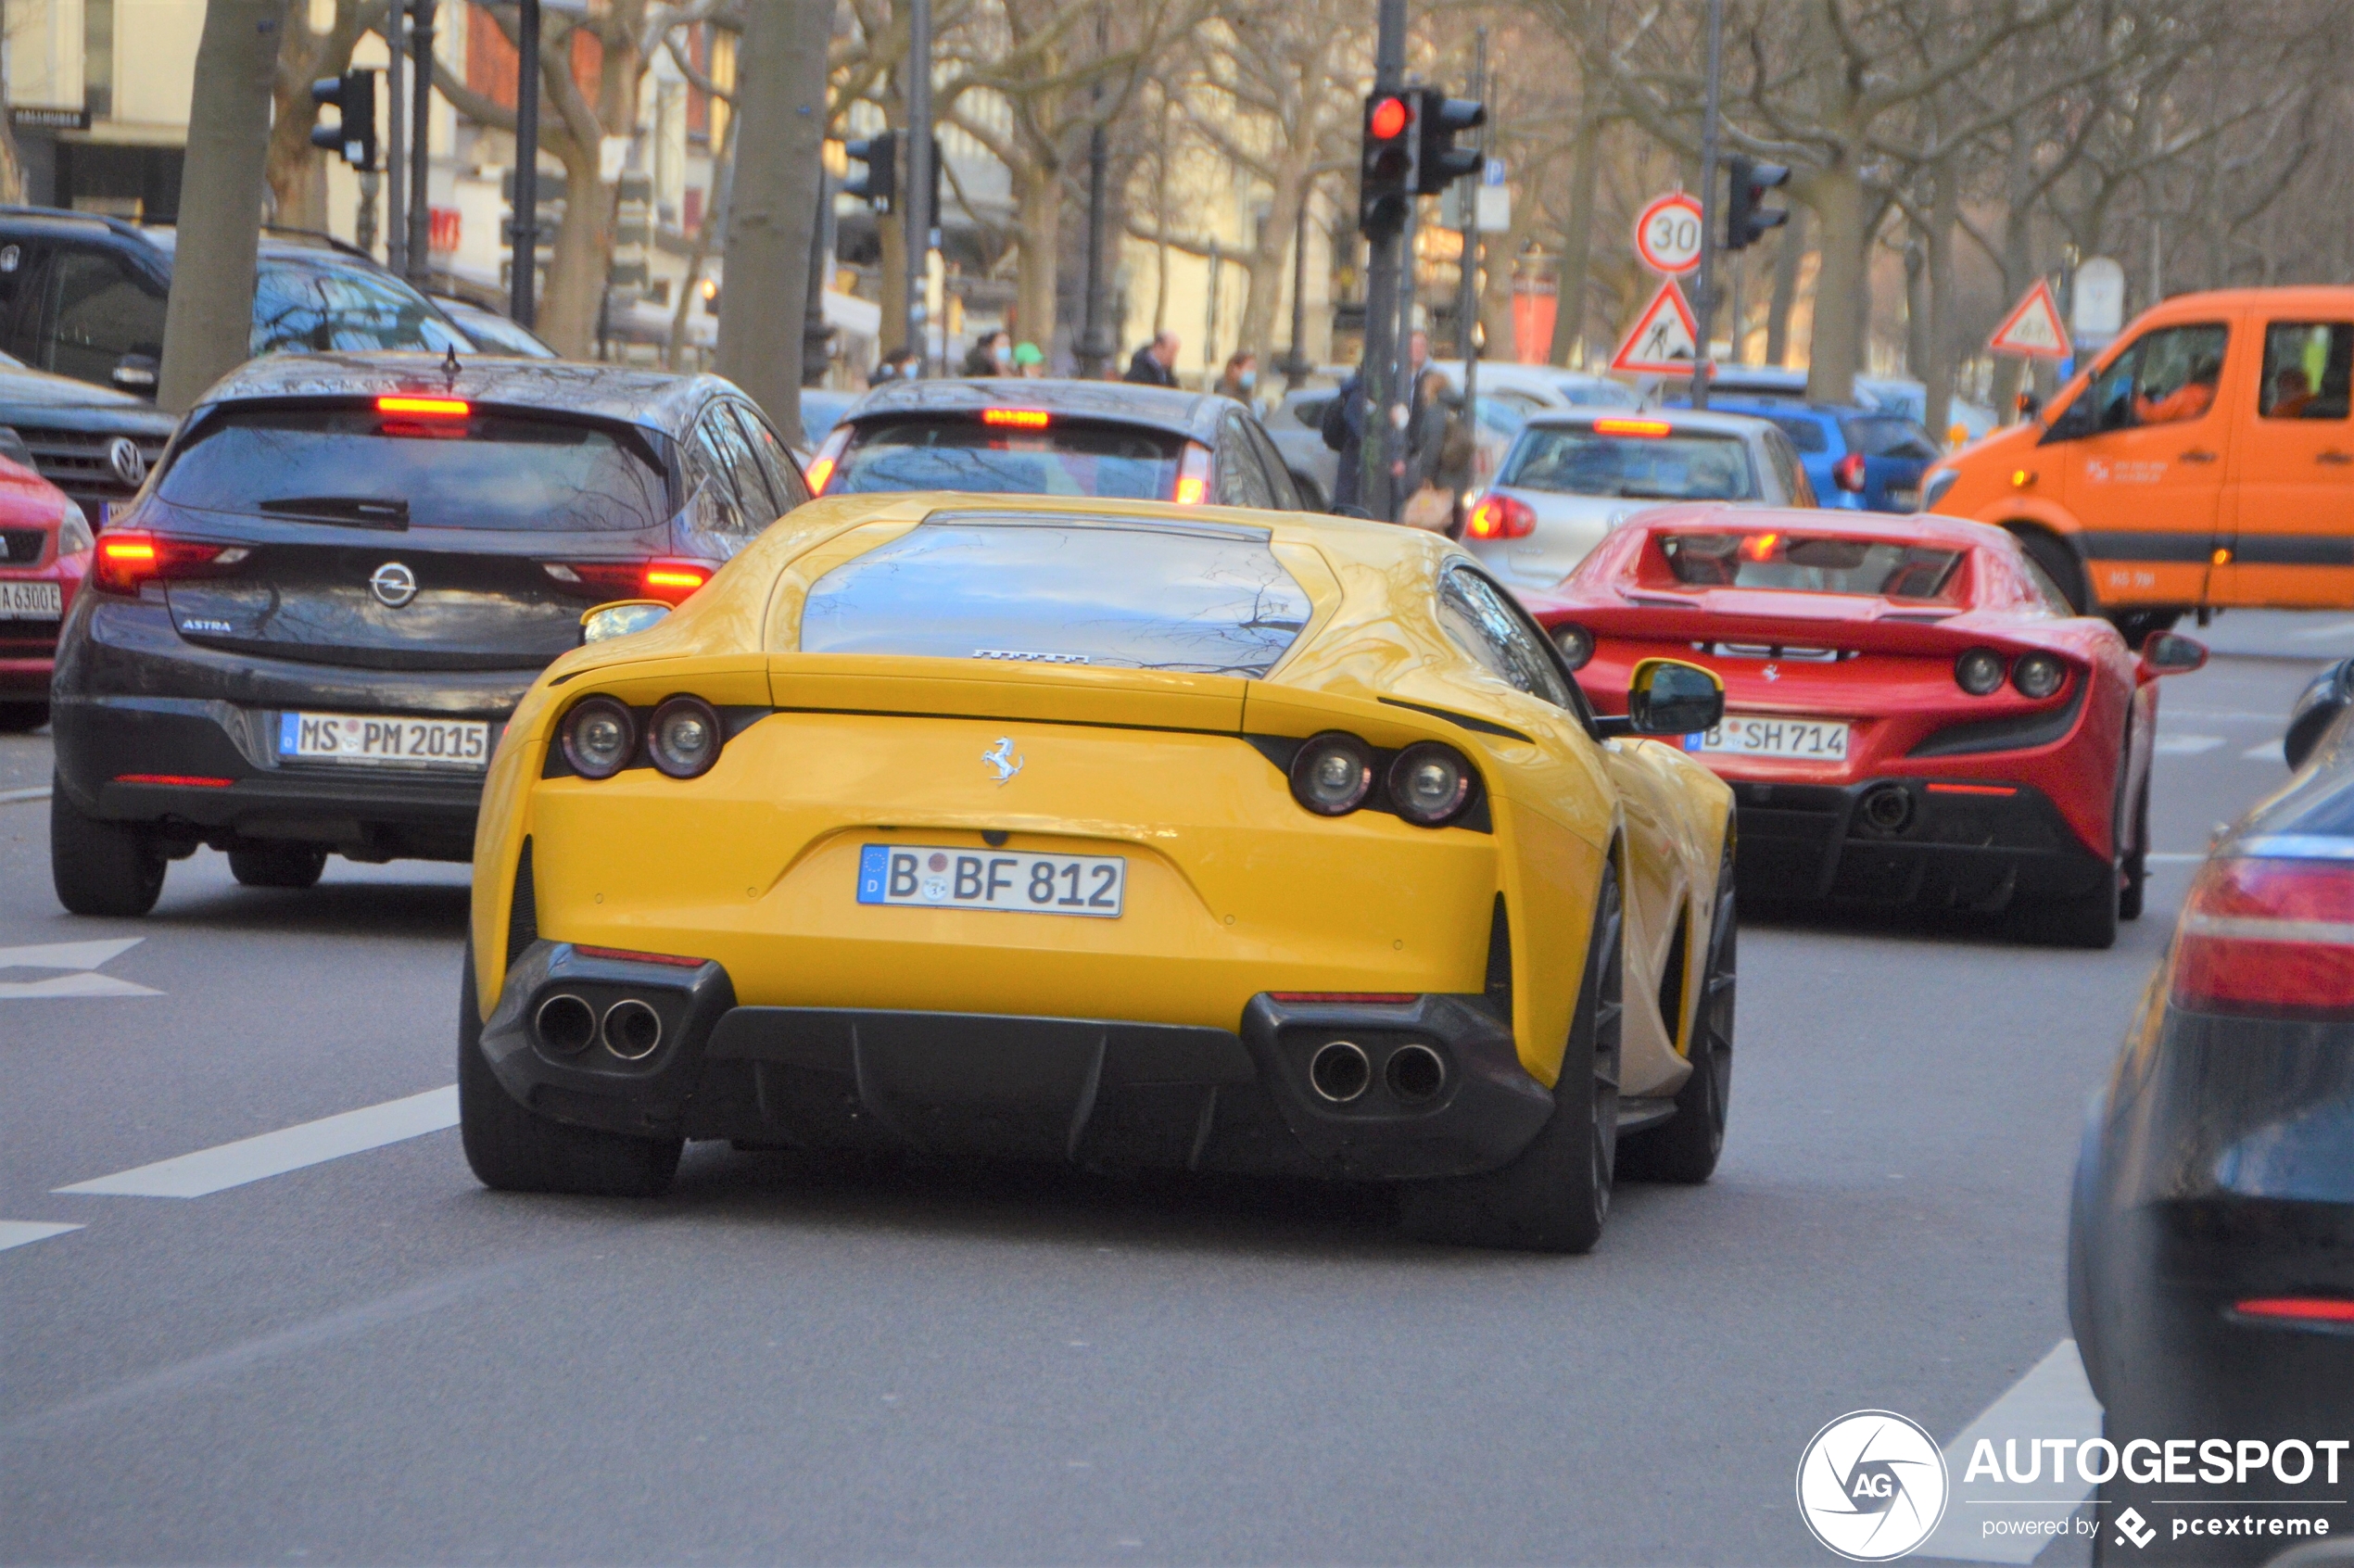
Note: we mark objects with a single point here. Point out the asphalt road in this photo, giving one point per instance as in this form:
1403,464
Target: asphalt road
368,1358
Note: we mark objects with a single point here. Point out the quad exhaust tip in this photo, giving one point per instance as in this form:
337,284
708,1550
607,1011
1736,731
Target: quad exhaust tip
1339,1071
632,1029
565,1024
1414,1074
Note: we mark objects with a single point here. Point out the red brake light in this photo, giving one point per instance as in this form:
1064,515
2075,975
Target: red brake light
123,560
2265,938
183,780
1645,428
1387,120
1759,547
1193,475
634,956
1848,473
820,472
674,580
821,469
1495,516
425,407
2297,1309
1021,419
670,581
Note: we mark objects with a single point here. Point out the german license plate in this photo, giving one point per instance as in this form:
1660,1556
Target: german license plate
938,877
31,601
355,738
1747,735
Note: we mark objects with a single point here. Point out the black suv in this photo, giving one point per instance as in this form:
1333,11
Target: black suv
308,631
83,297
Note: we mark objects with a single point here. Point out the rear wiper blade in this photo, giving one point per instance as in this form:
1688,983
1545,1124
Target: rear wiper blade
358,511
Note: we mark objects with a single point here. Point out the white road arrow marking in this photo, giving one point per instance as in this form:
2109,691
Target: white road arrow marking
15,1232
289,1148
2271,751
2184,745
2052,1400
81,959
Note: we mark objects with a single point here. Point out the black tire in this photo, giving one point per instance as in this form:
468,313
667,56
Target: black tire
278,865
1554,1194
514,1149
100,868
16,718
1685,1149
2136,868
2060,563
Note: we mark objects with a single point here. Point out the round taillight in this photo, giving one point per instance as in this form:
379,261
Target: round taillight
2038,674
685,737
1332,774
600,736
1575,642
1848,473
1430,783
1978,672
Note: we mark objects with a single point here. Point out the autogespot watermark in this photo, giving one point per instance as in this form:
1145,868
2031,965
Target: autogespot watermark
1873,1487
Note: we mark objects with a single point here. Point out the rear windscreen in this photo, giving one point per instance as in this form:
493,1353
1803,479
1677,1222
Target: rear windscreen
961,453
1882,436
1883,568
1582,460
363,469
1201,599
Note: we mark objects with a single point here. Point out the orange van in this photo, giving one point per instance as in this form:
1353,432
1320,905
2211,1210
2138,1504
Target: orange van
2205,460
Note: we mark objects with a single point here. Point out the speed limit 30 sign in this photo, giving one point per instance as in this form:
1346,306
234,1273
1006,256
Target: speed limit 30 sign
1667,233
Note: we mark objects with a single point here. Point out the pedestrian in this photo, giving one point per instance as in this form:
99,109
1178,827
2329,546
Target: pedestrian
990,355
898,364
1156,364
1439,450
1029,359
1242,375
1345,425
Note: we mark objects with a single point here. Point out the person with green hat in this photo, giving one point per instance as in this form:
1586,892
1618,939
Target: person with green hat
1029,359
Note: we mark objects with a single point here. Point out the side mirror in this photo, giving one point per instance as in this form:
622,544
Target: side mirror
620,618
136,373
2163,653
1669,697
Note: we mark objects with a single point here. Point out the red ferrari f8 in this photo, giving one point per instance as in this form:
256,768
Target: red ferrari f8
1913,713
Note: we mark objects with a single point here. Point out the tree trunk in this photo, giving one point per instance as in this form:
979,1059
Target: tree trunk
892,233
1916,349
1788,260
1038,220
2019,262
1837,195
576,261
1944,214
1268,272
208,322
780,93
1578,243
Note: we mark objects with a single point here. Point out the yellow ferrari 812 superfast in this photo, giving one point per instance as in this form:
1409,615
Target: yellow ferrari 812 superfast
1122,833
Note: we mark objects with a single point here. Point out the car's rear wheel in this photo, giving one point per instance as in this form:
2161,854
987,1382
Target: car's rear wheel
2136,869
101,867
2059,563
16,718
1554,1194
1686,1148
2089,921
515,1149
278,865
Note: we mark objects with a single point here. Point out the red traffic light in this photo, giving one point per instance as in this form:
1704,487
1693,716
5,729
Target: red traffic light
1388,119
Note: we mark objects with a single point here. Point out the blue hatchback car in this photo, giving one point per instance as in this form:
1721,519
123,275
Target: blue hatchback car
1858,460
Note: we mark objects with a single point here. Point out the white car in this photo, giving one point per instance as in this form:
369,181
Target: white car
1547,385
1568,479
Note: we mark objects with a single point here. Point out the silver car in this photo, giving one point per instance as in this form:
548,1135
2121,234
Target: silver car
1570,478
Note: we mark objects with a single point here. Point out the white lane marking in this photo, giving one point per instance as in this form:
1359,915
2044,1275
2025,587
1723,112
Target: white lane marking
289,1148
2052,1400
10,797
2315,634
15,1232
2270,750
2184,745
83,959
2168,857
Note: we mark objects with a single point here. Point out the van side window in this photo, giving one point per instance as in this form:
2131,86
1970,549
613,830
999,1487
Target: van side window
2306,369
2167,377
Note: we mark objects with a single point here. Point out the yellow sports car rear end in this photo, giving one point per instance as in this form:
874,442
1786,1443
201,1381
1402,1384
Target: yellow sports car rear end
1126,834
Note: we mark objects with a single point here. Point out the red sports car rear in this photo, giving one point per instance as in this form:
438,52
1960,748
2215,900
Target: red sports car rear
1914,715
44,550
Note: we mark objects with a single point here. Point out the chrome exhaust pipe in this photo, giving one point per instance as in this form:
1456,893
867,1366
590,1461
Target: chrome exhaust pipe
632,1029
565,1024
1416,1074
1339,1071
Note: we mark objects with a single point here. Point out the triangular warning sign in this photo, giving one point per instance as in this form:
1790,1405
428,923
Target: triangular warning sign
2032,330
1661,342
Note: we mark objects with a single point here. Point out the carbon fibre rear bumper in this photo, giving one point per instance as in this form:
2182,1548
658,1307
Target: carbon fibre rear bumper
1956,847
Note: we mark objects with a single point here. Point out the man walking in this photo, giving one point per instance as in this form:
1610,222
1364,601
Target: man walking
1156,362
1345,423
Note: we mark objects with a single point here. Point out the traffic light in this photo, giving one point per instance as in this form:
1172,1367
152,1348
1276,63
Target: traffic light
1745,220
1438,120
1385,169
353,96
880,184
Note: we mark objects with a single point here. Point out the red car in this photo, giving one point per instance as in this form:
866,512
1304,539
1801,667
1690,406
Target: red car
46,550
1914,716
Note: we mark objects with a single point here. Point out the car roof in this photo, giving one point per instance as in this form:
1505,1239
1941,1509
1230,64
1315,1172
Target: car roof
1156,408
1771,408
276,244
624,394
1951,533
1723,421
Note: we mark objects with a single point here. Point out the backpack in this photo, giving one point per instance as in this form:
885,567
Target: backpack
1334,427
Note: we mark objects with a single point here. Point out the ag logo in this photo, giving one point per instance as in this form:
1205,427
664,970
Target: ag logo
1871,1485
2132,1526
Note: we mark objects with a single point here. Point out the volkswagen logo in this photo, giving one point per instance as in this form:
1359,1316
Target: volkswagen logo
393,584
125,457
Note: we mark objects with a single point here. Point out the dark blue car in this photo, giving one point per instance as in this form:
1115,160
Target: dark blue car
1858,460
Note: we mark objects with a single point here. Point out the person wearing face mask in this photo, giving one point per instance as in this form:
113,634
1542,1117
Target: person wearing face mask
1242,375
992,355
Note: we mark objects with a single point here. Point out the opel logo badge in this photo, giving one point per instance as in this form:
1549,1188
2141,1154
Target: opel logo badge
129,464
394,585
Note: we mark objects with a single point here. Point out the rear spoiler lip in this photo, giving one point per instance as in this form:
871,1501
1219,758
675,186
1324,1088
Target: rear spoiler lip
1887,634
